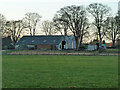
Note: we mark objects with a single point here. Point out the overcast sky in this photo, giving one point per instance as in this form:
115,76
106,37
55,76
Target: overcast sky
16,9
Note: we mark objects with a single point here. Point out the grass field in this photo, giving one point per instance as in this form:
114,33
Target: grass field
44,71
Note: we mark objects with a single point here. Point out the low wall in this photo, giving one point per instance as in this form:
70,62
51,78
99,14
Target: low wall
60,53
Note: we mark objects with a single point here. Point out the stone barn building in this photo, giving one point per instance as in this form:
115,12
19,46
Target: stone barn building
40,42
50,42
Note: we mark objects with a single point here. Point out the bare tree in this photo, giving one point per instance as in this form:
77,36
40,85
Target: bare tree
75,19
48,27
99,12
60,25
113,30
31,20
15,29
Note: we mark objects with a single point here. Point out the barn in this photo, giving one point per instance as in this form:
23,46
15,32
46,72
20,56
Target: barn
50,42
42,42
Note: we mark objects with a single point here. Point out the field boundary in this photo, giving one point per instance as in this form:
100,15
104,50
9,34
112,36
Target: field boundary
55,52
80,54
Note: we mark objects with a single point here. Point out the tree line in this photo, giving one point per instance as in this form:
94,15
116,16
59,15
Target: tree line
74,19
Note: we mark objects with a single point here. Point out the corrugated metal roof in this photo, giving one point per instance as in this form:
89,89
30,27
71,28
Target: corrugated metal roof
40,40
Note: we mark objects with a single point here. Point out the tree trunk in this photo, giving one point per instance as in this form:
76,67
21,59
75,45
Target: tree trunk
65,31
81,39
100,41
14,41
34,32
113,43
61,33
30,32
76,42
99,28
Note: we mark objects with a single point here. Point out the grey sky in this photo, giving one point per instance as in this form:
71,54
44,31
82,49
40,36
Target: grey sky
16,9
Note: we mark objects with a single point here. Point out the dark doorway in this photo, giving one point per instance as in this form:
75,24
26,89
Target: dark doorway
63,43
35,46
97,46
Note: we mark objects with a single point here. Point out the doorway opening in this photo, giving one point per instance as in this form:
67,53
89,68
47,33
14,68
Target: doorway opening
63,44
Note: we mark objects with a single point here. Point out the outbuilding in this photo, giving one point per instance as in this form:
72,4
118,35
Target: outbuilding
50,42
7,43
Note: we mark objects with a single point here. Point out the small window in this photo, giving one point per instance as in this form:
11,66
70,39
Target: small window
33,40
16,46
44,40
54,40
11,43
23,41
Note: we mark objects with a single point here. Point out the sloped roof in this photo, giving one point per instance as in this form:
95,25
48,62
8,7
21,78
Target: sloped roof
40,40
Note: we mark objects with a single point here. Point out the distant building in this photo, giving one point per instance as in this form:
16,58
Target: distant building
7,43
91,47
50,42
108,45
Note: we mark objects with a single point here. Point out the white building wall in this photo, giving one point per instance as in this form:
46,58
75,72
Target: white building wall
70,42
60,44
92,47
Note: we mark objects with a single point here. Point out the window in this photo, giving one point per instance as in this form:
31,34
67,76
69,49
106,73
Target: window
23,41
54,40
44,40
33,40
16,46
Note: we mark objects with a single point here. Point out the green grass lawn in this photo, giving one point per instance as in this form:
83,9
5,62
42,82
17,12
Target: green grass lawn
60,71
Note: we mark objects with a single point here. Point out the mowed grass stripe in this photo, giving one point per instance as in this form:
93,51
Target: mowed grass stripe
45,71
